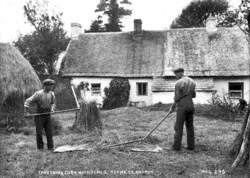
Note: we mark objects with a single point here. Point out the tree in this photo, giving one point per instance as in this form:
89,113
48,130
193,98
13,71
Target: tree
196,13
114,11
243,16
43,45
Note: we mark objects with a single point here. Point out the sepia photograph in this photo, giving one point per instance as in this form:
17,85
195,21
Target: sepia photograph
125,88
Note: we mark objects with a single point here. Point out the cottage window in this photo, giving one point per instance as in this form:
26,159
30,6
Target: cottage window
236,90
96,88
142,89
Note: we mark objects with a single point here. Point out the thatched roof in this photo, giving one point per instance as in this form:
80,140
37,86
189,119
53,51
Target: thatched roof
16,73
115,54
156,53
225,53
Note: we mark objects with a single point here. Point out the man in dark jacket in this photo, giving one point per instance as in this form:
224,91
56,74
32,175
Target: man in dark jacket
45,102
183,102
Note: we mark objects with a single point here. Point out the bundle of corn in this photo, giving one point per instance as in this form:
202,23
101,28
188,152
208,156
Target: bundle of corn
18,80
88,118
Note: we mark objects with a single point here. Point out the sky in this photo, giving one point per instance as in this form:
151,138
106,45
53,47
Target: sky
155,14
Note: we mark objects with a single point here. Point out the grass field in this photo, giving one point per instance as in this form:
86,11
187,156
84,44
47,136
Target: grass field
19,156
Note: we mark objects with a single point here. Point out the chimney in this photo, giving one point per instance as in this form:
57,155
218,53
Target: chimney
211,23
137,25
76,30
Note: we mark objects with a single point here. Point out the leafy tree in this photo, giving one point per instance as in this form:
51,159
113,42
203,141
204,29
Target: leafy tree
239,17
196,13
228,19
43,45
117,95
114,11
243,18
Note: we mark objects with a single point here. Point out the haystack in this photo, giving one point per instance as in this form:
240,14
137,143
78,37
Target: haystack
17,81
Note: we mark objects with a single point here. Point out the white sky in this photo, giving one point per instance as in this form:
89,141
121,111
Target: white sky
155,14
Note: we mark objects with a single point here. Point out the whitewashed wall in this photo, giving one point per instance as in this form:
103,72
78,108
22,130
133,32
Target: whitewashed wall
168,97
221,86
163,97
105,83
88,96
133,91
203,97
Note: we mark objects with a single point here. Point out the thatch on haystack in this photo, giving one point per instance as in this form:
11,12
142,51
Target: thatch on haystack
17,81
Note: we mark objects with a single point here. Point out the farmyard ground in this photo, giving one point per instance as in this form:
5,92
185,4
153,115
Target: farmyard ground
19,156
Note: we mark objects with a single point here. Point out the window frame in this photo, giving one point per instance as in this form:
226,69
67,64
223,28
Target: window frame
95,92
142,84
236,91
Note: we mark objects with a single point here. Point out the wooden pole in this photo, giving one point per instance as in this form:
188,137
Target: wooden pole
55,112
74,93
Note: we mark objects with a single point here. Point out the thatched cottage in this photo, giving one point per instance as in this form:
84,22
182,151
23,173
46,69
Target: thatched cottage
216,58
17,81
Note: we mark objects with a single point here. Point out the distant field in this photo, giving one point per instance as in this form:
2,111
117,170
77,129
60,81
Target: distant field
19,156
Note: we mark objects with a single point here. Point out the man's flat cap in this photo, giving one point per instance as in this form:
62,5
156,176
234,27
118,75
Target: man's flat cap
178,70
48,82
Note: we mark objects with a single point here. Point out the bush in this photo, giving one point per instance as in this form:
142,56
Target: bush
219,107
117,95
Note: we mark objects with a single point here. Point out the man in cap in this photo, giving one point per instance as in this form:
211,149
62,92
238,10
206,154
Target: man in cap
45,102
183,102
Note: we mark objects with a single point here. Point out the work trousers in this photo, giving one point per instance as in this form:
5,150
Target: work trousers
184,115
44,122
